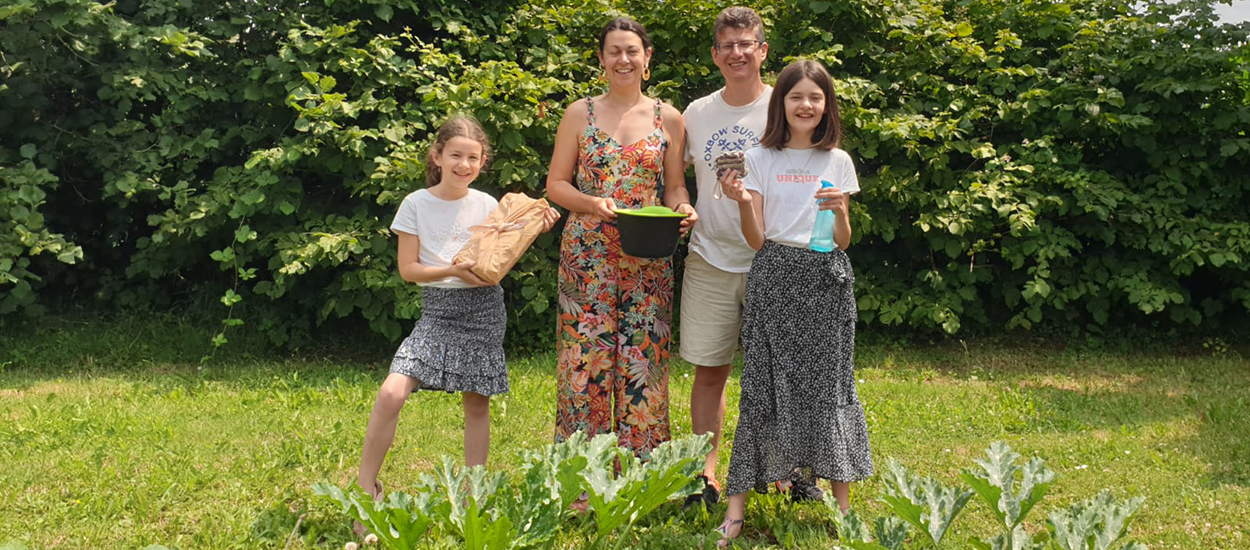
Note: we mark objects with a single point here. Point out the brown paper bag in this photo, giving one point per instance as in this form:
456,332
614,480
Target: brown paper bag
498,242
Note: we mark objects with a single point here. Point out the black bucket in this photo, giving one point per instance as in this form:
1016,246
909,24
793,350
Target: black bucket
648,236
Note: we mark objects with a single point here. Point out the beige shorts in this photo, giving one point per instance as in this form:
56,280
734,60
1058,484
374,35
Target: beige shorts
711,313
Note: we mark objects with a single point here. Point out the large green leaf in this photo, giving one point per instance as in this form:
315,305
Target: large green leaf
1017,539
618,500
1097,523
892,533
927,504
400,521
996,483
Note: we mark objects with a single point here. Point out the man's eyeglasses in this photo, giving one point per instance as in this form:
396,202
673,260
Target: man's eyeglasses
744,46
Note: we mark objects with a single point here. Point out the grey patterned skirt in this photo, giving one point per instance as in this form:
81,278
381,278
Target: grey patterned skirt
457,344
799,407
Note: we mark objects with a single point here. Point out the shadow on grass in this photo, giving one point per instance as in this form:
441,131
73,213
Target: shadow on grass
1053,390
170,350
1210,394
1222,437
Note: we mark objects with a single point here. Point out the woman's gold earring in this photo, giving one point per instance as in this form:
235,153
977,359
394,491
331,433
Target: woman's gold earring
603,76
646,73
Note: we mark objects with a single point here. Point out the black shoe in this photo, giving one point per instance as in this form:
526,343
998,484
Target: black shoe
803,489
709,496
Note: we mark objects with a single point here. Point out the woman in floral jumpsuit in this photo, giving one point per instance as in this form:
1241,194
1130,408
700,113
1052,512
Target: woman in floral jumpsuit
612,151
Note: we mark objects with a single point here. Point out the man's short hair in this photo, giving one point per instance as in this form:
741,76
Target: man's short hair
738,17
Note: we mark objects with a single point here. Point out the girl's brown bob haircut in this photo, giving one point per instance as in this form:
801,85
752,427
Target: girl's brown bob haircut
828,134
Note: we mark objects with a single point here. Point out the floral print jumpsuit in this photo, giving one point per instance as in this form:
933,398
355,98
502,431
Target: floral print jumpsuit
615,309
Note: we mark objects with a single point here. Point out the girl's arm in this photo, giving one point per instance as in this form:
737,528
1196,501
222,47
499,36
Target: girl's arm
560,188
750,208
842,225
839,202
412,270
675,194
550,217
753,220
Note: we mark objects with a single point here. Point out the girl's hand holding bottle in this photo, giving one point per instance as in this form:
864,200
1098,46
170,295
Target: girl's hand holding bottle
832,198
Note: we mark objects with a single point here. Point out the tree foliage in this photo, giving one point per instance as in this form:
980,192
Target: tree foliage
1079,164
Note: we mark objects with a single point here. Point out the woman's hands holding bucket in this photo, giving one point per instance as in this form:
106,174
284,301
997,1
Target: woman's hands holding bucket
604,209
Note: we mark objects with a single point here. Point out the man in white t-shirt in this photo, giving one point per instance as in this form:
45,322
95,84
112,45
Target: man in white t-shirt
714,282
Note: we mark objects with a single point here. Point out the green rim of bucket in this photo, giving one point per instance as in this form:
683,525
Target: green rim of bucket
651,212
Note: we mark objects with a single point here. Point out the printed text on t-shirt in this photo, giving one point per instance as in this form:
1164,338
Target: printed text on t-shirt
725,140
797,178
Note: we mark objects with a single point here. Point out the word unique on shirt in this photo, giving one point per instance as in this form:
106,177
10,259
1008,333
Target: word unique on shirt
797,178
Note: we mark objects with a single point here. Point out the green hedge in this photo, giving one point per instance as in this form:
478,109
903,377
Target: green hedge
1079,165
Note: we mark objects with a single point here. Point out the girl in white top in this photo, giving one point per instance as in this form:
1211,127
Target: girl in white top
779,198
799,408
457,345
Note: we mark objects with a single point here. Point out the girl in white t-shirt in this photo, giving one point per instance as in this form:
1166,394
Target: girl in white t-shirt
457,345
799,408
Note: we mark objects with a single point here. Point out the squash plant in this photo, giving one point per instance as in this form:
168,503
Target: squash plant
995,483
618,500
924,510
485,510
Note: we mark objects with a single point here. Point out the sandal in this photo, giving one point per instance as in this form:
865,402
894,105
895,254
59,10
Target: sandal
581,506
725,528
359,528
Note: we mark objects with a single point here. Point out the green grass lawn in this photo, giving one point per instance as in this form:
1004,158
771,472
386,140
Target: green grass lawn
113,436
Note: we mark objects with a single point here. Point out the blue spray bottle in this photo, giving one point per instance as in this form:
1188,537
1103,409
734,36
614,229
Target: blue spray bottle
822,232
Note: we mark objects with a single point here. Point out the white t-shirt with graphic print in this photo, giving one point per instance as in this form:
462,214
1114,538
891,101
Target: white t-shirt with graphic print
788,180
442,226
714,127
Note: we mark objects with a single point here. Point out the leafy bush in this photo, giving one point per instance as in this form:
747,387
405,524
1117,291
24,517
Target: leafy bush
24,234
1079,165
1076,163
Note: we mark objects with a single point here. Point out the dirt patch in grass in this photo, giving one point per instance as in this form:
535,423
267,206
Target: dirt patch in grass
1106,383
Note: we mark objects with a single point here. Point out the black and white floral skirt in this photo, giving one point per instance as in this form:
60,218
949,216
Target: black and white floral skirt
799,407
457,344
